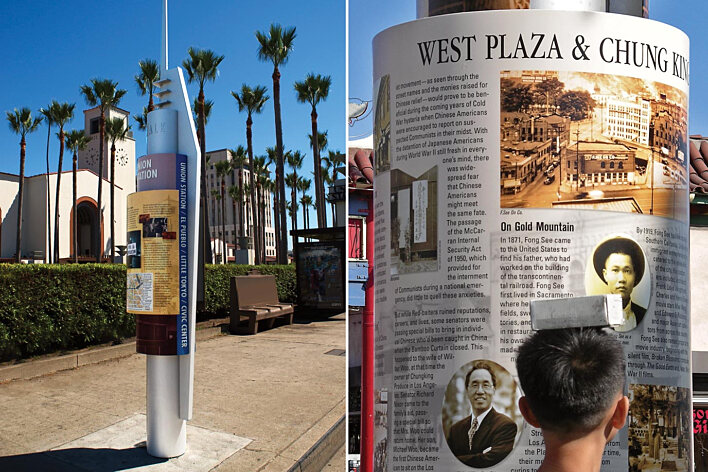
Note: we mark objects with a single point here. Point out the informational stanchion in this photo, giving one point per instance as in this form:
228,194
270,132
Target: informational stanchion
162,260
524,155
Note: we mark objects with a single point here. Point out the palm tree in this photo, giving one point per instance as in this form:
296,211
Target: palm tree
260,168
292,211
248,210
116,131
276,46
142,120
214,212
208,105
22,123
104,94
203,66
223,168
252,100
63,113
272,158
306,201
236,198
334,162
76,141
149,74
48,114
238,159
304,185
313,90
292,181
322,141
295,161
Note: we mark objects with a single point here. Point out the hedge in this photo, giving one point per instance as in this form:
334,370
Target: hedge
48,308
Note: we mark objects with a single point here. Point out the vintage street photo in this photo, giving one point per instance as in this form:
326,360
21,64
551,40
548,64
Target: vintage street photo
414,222
154,227
659,425
481,418
592,141
382,125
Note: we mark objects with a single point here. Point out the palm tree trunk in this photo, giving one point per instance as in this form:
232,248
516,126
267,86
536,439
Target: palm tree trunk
18,245
257,228
293,196
241,203
319,184
49,205
223,217
113,207
233,216
213,211
251,179
97,238
276,209
56,206
202,145
75,219
282,238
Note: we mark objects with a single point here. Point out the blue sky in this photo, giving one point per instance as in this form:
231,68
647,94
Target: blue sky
686,15
52,48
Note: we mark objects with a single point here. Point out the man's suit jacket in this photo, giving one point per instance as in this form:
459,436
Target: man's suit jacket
495,435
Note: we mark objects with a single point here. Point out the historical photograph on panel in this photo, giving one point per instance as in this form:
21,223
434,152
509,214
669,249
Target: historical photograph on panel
659,425
381,408
481,417
414,222
592,141
618,266
382,125
442,7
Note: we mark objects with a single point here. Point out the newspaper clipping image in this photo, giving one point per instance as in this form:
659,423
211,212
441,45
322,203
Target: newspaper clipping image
528,155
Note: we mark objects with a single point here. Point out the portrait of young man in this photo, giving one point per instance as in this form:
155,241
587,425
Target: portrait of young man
619,263
485,437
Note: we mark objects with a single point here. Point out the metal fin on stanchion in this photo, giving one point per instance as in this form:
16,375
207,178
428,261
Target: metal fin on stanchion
594,311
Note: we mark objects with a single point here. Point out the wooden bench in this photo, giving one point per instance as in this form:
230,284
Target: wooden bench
254,298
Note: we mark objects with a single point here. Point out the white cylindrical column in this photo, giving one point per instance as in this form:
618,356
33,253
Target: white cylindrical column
579,5
162,131
166,431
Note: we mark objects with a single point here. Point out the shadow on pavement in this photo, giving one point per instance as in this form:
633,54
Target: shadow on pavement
80,459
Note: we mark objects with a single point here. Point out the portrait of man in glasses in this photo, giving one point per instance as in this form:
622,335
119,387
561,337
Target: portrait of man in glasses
485,437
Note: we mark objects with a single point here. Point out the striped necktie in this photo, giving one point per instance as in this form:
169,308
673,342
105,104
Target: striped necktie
472,431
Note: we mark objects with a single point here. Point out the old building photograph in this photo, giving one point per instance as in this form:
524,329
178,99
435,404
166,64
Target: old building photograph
591,141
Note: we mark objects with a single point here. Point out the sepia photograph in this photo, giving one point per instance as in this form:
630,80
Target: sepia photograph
592,141
382,125
414,222
618,266
659,428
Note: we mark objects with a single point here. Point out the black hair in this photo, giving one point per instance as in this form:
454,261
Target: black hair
477,365
571,377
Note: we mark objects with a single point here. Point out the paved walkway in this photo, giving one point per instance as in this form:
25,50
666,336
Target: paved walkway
280,389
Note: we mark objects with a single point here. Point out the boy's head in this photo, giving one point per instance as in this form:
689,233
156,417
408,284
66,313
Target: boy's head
573,380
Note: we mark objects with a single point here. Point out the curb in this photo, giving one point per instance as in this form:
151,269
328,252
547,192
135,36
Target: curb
322,451
37,368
